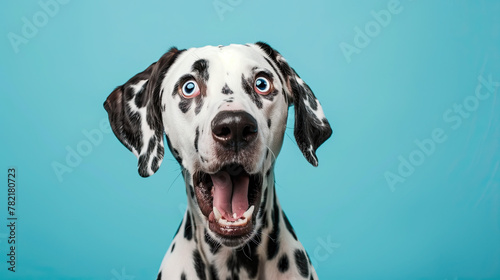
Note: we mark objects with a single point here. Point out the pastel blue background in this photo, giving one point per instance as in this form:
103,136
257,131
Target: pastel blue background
103,221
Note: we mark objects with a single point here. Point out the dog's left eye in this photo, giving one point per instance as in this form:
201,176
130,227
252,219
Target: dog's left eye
190,89
262,85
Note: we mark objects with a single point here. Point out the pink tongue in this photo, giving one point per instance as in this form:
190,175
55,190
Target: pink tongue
230,196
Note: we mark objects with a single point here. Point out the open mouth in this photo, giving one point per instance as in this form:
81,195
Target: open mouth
229,199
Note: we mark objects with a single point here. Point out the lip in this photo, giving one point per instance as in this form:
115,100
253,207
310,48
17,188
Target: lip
231,228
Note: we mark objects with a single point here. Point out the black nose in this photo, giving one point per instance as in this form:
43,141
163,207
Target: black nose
234,129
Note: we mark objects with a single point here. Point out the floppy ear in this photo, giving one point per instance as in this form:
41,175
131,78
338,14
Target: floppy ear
134,111
311,126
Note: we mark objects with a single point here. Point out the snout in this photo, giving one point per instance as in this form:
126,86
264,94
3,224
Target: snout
228,188
234,130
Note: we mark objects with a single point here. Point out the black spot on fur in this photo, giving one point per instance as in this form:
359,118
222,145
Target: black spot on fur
233,265
313,102
144,159
308,258
183,276
257,239
273,54
289,226
273,243
226,90
154,164
213,244
201,67
267,49
174,151
248,258
283,264
308,131
159,276
196,137
269,123
178,228
301,262
276,71
186,175
271,95
199,104
138,99
194,226
188,227
199,265
248,88
126,124
173,247
191,191
214,275
185,104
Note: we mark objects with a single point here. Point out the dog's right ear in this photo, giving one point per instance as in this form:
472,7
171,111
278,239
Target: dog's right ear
134,111
311,126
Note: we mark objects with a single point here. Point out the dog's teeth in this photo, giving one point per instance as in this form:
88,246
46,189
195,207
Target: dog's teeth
239,222
249,212
217,214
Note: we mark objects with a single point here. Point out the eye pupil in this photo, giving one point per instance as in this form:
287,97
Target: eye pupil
189,87
261,84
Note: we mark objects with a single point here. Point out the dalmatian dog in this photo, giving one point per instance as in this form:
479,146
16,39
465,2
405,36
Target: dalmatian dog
223,110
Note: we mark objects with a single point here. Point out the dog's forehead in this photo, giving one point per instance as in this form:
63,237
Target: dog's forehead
232,59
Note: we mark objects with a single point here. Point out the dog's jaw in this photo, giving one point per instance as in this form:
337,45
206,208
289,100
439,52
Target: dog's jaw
232,237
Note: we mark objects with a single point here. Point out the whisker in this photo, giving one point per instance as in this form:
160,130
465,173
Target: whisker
176,177
269,149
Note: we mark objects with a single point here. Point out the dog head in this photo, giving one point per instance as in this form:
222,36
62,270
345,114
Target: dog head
224,111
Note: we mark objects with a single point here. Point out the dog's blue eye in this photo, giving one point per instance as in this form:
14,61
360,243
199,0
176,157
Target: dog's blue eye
262,85
190,89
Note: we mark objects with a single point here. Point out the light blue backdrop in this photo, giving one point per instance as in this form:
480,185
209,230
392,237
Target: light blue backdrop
407,188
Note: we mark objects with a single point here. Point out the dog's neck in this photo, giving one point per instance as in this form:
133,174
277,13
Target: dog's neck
246,255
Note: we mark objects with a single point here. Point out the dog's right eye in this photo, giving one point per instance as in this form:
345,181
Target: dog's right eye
190,89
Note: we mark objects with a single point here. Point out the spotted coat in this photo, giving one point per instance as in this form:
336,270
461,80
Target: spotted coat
183,96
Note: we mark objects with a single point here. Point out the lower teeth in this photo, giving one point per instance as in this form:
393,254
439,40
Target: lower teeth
241,221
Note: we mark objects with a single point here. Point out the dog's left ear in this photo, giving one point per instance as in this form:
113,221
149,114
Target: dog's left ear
311,126
134,111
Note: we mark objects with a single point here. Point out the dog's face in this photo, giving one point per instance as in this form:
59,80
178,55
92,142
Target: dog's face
224,105
224,112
